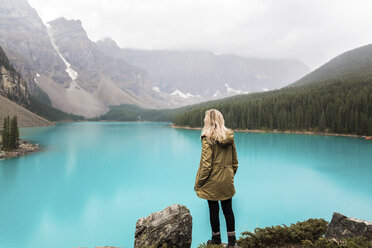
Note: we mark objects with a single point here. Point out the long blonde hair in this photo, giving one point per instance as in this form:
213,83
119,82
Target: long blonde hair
214,126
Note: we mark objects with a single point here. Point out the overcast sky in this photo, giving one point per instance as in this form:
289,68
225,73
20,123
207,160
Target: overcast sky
313,31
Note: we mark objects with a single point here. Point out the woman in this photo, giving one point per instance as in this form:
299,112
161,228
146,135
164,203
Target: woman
215,178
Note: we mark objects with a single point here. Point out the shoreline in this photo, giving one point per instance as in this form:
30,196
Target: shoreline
24,148
278,131
235,130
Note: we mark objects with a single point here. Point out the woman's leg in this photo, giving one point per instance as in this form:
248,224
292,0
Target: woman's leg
230,221
229,215
214,216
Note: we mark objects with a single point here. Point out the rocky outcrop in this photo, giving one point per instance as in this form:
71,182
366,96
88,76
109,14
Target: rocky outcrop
342,227
11,84
24,147
171,226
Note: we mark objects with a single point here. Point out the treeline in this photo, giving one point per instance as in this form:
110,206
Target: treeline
10,134
128,112
338,107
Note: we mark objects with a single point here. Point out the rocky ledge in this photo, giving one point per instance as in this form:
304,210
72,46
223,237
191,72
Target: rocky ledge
348,227
24,147
172,228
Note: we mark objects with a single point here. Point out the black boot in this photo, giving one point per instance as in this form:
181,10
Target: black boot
232,241
216,239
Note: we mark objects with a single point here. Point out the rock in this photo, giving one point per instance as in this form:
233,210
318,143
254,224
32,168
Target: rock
344,227
24,147
171,226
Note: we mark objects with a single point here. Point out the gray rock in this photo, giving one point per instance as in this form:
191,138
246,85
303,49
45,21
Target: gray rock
344,227
171,226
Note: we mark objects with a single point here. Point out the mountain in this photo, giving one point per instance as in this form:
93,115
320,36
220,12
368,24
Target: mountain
24,38
62,62
14,87
25,117
352,66
64,69
169,100
98,79
211,76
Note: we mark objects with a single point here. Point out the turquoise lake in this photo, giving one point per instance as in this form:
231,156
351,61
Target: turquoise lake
93,180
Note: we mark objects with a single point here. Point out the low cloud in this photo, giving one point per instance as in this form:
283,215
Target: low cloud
311,31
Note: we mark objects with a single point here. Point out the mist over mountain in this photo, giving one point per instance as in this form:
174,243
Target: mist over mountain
64,69
351,66
214,76
86,81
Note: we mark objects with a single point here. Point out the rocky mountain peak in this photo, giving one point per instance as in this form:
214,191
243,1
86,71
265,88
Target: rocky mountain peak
25,40
109,47
70,28
108,41
17,9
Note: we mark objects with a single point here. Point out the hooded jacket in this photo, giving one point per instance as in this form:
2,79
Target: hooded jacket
218,165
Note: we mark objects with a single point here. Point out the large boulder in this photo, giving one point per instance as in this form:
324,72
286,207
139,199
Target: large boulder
171,226
344,227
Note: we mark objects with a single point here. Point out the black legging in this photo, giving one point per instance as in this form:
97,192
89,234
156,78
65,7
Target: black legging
227,212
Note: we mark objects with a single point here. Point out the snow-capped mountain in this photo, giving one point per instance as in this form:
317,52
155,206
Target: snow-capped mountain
65,69
59,59
213,76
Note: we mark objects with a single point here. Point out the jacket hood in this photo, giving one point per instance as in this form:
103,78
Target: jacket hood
229,138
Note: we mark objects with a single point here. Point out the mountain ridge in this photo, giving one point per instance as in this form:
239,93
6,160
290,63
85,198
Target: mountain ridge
214,76
66,70
353,65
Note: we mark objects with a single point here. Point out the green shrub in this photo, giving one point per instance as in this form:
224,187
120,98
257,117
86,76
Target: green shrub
278,236
204,245
356,242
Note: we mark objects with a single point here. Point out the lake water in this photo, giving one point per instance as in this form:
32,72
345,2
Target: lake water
93,180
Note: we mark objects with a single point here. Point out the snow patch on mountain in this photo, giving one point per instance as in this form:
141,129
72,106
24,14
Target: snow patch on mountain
217,93
234,91
156,89
183,95
71,73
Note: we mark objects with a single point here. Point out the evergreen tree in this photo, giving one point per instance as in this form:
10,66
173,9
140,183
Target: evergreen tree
14,133
5,134
10,134
322,122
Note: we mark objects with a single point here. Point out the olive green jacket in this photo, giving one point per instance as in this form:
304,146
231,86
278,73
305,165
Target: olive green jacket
217,168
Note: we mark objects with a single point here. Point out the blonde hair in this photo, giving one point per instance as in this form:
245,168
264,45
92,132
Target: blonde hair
214,126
